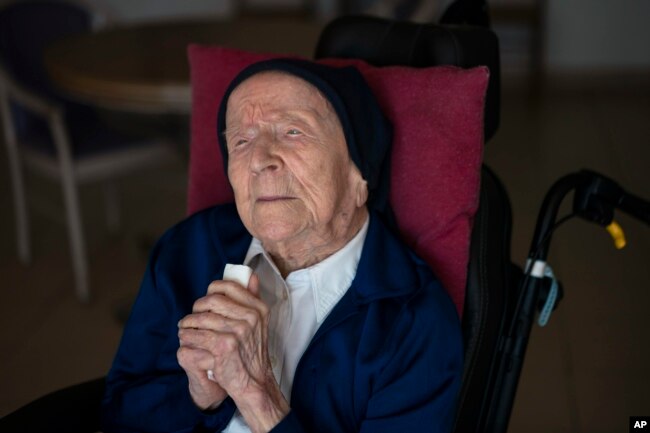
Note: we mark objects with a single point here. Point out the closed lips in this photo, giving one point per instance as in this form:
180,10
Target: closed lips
273,198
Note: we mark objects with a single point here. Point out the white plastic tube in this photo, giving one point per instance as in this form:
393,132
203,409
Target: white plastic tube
238,273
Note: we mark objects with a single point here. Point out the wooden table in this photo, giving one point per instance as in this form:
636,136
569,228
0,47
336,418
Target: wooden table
144,68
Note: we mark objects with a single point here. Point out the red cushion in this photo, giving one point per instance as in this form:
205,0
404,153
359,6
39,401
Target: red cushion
437,116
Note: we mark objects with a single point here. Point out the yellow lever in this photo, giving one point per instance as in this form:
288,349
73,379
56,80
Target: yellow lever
616,232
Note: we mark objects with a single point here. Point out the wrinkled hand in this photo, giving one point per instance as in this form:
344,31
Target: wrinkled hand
227,333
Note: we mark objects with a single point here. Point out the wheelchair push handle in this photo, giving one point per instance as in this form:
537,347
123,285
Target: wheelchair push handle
635,206
596,198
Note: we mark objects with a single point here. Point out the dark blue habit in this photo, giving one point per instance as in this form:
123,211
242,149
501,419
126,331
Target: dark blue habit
388,358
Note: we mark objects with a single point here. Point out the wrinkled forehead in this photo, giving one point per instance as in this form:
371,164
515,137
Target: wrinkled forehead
276,90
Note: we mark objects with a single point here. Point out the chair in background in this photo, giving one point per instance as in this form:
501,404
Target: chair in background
52,136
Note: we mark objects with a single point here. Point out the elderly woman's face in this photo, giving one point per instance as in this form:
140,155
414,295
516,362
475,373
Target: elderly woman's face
288,162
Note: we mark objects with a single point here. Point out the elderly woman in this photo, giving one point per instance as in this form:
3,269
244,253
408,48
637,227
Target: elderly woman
340,329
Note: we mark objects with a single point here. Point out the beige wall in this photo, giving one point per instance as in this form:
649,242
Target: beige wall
581,35
153,10
597,35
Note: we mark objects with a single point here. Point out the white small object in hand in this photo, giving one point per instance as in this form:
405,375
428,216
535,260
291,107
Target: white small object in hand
211,375
238,273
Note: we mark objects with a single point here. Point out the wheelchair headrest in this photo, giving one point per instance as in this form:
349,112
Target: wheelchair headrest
384,42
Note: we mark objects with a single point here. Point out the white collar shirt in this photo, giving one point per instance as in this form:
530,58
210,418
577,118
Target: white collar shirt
298,306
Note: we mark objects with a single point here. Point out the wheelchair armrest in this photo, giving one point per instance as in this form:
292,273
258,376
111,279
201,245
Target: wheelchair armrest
75,409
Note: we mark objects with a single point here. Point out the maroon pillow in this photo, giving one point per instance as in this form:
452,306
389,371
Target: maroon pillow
437,116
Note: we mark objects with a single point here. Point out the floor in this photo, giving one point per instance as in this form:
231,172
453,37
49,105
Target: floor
587,371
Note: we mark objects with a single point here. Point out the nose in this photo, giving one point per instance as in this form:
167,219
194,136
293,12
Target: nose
265,155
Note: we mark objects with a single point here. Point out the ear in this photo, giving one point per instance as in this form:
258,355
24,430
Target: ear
361,190
362,193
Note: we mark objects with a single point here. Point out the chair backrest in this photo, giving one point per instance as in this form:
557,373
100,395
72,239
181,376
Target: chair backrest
383,42
27,28
491,276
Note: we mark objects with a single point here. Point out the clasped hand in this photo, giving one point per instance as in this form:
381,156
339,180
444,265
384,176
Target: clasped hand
227,333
